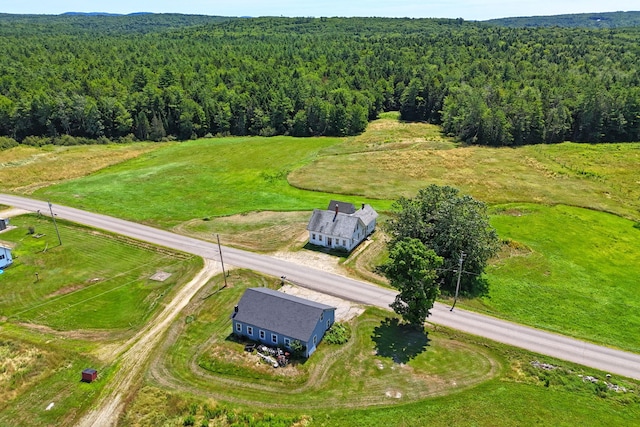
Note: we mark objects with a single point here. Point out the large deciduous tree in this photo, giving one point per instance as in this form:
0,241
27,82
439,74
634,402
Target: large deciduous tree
412,270
449,223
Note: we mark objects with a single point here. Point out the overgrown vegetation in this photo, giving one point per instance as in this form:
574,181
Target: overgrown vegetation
338,334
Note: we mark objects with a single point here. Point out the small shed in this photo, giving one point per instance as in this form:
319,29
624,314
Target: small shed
89,375
5,257
4,223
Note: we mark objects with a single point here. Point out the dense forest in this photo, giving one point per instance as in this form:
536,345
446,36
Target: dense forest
78,79
582,20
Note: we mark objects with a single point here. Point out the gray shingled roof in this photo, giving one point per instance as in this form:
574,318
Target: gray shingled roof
341,225
343,207
367,214
284,314
327,222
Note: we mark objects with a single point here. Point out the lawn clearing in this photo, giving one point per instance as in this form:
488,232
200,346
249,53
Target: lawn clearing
576,273
385,375
200,179
93,281
383,364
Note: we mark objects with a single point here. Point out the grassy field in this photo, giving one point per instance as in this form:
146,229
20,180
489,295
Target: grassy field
199,179
90,294
229,185
25,169
569,270
93,281
385,375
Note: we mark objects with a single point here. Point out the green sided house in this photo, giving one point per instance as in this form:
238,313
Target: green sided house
277,319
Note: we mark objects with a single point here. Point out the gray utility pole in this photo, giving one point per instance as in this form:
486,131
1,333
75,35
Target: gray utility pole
54,223
455,299
222,262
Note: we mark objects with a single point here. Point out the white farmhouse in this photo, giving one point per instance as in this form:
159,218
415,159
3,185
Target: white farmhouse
341,226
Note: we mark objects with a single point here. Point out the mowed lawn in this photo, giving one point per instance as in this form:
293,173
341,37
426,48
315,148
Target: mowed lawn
92,281
199,179
569,270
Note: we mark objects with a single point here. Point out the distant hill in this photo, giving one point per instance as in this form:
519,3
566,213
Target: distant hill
101,23
578,20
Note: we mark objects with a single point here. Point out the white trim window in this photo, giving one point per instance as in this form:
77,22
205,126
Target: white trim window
328,323
238,327
274,338
250,330
262,334
287,342
315,340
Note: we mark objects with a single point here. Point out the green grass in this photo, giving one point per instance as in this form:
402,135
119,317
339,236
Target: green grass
571,270
382,360
198,179
436,376
92,281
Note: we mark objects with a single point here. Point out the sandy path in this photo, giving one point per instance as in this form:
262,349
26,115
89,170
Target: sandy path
109,407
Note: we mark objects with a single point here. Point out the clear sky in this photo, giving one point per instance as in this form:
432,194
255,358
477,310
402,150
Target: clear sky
467,9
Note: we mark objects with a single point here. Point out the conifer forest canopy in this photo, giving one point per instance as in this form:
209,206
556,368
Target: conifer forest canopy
67,79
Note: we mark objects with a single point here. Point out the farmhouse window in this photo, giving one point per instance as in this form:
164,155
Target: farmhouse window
250,330
344,243
320,238
328,323
313,236
287,342
321,316
2,256
274,338
262,335
315,339
238,327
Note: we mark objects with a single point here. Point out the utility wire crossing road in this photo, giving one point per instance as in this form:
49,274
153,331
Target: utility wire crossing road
558,346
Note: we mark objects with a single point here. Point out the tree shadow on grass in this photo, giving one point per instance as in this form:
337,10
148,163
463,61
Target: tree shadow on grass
399,342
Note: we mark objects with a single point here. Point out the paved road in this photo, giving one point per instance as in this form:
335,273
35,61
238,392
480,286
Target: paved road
603,358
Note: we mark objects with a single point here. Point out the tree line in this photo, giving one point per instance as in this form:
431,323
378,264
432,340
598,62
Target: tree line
66,82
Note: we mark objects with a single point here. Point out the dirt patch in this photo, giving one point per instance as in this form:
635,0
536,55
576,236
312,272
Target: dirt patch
66,290
10,213
160,276
345,310
318,260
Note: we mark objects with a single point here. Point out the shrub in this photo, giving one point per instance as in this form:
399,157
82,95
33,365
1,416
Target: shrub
189,420
6,143
337,334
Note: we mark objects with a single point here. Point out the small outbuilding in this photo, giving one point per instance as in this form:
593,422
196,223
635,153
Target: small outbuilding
5,257
4,223
277,319
89,375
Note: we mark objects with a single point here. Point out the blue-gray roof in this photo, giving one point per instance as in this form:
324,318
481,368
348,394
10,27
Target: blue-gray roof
283,314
